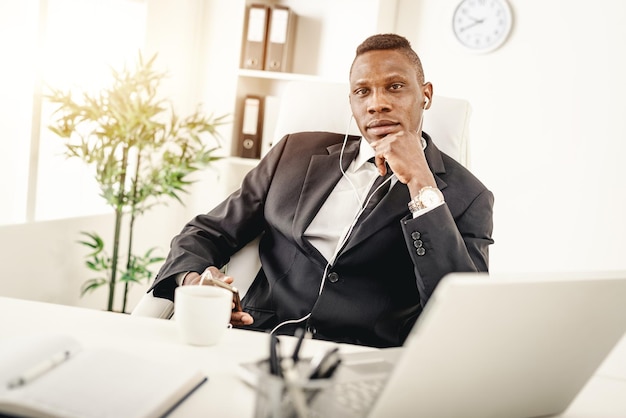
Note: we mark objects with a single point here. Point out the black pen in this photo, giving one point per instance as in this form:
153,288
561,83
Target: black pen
301,334
323,366
275,358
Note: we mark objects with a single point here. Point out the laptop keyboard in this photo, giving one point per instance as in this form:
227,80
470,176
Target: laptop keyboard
358,396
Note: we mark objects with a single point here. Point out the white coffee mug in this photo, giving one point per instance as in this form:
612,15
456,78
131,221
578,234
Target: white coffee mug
202,313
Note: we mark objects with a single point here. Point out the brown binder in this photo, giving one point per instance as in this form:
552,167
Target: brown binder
250,136
280,39
254,42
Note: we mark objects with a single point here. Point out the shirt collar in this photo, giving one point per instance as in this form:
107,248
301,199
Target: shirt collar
365,153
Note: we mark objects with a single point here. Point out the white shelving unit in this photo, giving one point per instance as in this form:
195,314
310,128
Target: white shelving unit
272,75
326,36
327,33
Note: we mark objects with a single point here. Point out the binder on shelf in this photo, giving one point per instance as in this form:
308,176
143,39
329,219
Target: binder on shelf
280,39
255,39
250,136
270,116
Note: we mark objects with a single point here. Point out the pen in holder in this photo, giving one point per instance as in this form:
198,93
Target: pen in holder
292,395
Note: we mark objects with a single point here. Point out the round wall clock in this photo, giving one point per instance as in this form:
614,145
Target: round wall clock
482,25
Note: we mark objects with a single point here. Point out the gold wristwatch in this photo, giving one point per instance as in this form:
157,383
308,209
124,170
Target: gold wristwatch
426,198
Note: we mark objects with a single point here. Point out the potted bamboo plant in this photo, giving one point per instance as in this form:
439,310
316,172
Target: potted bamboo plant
142,152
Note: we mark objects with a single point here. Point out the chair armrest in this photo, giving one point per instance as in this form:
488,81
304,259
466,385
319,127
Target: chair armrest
243,267
154,307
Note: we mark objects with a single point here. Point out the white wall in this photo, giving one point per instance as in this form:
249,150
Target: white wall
547,131
43,261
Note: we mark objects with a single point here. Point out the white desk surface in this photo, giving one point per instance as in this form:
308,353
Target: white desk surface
225,395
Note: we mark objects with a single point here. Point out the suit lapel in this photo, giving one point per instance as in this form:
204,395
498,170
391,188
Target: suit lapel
388,210
433,157
321,177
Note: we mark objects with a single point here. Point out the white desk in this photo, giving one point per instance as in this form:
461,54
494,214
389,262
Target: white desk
225,395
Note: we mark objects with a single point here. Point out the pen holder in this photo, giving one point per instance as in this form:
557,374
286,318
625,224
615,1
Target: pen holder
281,397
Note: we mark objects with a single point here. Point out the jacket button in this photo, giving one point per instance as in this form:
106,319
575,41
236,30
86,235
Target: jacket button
333,277
420,251
418,243
416,235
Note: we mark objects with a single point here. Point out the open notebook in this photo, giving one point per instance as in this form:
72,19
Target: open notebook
489,347
50,375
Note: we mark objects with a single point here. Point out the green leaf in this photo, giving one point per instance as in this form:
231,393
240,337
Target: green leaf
91,285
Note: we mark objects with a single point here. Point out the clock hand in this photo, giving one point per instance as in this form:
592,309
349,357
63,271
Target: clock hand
471,25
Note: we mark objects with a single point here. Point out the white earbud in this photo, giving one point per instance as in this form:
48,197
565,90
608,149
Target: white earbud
425,102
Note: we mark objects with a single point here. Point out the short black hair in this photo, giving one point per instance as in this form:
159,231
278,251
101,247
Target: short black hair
391,41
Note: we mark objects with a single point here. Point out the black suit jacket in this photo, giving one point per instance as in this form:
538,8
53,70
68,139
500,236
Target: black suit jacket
383,277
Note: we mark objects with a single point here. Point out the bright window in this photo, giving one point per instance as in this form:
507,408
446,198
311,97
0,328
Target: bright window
18,41
67,44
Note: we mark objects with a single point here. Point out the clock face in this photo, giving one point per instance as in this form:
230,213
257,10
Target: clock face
482,25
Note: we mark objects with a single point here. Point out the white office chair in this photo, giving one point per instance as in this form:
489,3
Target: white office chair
324,106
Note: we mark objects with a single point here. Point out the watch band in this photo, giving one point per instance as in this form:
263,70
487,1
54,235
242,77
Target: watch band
415,205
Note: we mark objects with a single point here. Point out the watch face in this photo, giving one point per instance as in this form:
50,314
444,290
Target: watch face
430,198
482,25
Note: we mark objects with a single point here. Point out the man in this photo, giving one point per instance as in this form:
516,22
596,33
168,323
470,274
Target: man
346,275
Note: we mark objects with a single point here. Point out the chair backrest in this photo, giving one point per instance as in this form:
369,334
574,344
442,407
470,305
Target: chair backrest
324,106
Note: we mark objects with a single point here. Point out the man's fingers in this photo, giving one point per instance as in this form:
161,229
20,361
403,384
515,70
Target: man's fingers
241,318
380,164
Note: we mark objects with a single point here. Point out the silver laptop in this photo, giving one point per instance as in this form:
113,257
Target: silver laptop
521,346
